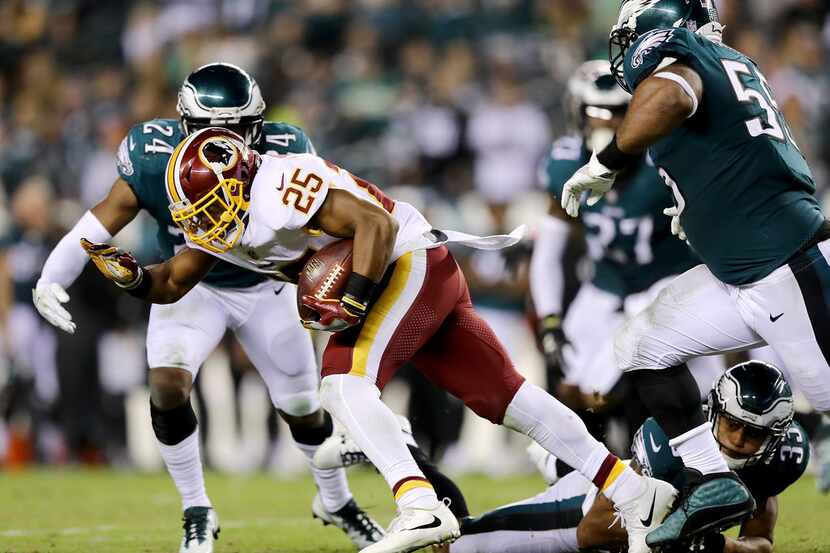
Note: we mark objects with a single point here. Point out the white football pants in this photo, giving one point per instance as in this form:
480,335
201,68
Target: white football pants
699,315
264,319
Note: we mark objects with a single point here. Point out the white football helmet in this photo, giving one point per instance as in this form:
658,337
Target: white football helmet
222,95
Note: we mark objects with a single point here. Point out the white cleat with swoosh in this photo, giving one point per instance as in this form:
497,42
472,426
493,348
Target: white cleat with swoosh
416,528
645,513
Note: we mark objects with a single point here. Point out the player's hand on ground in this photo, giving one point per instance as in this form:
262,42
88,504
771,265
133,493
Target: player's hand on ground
676,227
552,340
334,316
118,265
594,178
48,297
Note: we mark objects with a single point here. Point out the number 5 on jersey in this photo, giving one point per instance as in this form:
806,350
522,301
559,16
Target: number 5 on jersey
300,192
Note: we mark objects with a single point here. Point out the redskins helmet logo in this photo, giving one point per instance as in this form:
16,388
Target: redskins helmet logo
219,153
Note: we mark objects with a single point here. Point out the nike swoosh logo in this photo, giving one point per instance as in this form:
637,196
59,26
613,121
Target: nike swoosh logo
647,521
282,183
436,522
132,144
654,446
773,319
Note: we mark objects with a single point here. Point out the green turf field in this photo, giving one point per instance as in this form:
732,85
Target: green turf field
112,512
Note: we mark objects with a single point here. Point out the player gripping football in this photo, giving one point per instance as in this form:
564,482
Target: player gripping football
406,299
180,336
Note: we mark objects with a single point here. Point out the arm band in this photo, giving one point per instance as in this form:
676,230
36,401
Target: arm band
684,85
359,290
68,259
615,159
547,275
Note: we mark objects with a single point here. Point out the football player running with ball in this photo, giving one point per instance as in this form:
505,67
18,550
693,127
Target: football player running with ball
181,335
406,299
751,411
744,202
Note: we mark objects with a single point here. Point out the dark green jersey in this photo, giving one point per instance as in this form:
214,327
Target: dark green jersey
744,188
766,479
142,159
628,236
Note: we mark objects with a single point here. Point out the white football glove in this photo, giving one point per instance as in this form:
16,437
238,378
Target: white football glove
48,297
676,228
593,177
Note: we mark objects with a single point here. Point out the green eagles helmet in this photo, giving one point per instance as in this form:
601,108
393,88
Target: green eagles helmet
222,95
756,395
638,17
593,93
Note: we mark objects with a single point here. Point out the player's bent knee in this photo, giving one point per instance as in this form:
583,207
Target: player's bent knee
491,406
636,348
299,405
169,387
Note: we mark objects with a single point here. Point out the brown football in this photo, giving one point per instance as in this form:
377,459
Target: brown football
324,275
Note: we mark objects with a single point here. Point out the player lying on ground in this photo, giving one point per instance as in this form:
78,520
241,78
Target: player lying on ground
750,409
406,299
181,335
628,239
745,203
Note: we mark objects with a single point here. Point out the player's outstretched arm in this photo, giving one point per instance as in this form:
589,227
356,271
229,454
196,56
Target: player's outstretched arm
165,282
171,280
67,259
660,104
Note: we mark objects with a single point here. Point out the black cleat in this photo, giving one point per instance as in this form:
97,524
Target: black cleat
354,521
709,503
201,528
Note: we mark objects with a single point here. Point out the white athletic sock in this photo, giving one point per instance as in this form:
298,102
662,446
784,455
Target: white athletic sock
184,463
699,450
332,483
355,403
553,426
559,430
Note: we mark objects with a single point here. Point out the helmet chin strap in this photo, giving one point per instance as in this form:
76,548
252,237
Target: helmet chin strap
733,463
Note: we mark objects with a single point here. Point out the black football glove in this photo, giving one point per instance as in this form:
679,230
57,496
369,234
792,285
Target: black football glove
552,340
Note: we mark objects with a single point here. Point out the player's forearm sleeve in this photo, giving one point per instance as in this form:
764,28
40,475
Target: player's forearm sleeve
547,275
68,259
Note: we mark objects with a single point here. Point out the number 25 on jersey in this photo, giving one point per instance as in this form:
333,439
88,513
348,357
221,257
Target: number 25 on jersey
300,192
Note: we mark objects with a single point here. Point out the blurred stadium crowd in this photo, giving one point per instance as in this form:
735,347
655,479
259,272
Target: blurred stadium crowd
450,104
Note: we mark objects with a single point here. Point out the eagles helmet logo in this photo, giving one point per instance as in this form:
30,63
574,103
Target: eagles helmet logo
649,43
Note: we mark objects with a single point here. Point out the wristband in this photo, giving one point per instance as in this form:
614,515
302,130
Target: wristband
142,287
358,291
615,159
